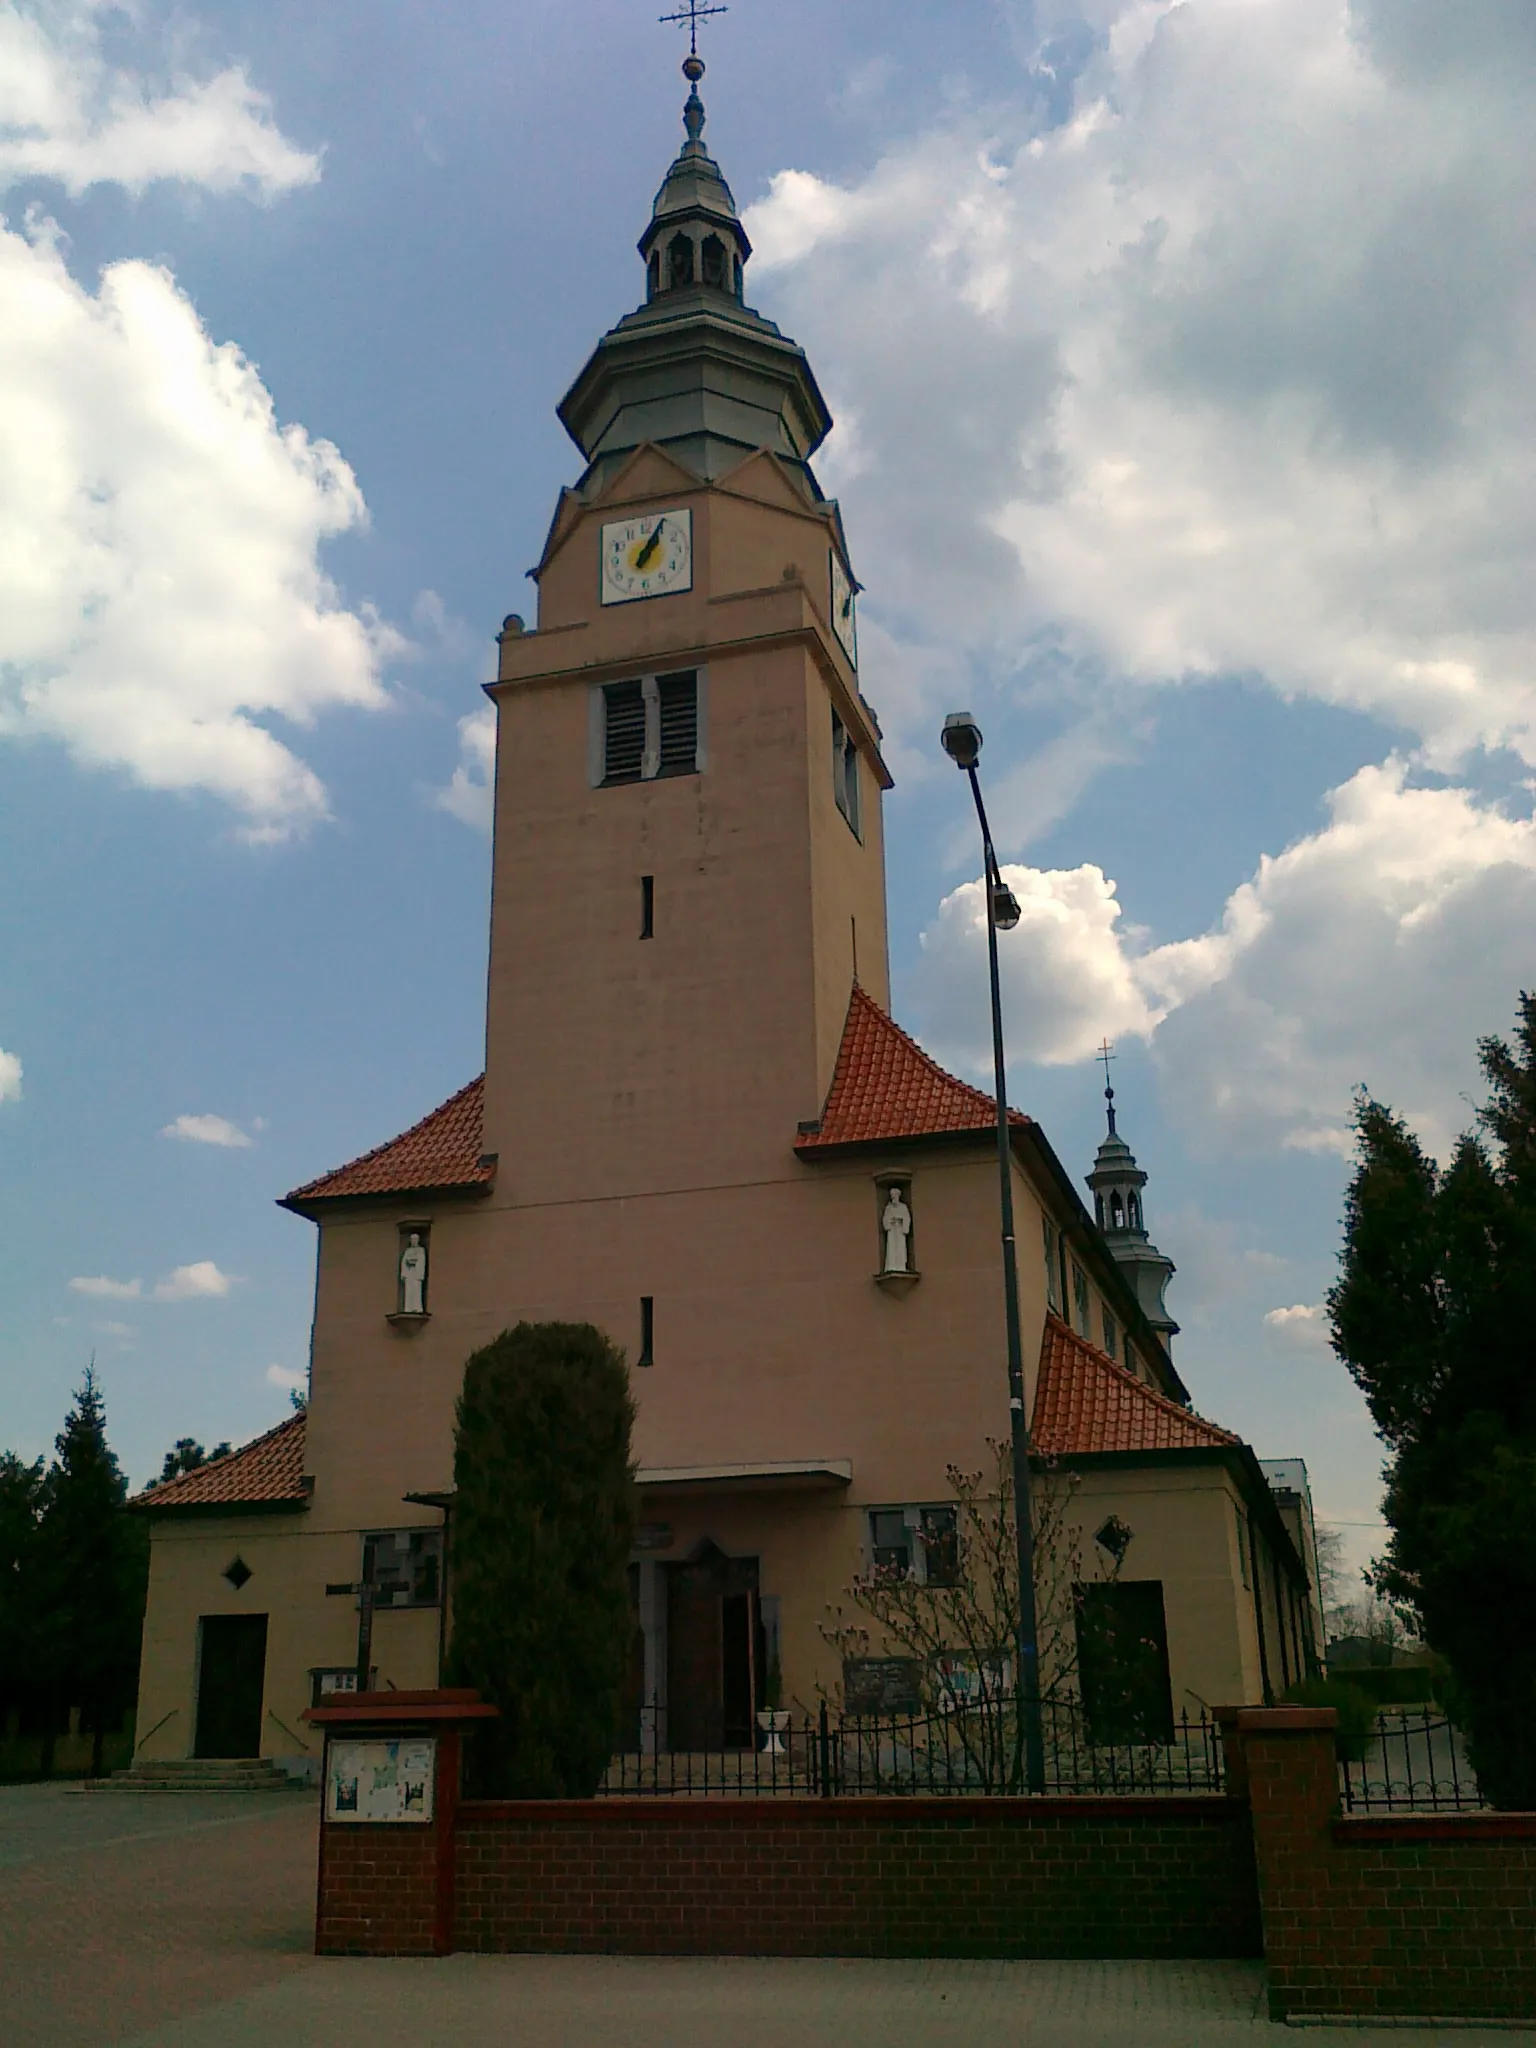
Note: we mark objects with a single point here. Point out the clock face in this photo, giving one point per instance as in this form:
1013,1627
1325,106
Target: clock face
647,557
844,620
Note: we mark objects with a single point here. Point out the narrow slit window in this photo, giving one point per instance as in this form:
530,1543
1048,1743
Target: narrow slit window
647,906
647,1330
845,773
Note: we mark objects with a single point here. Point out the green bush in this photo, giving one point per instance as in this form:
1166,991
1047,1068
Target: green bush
1355,1709
543,1523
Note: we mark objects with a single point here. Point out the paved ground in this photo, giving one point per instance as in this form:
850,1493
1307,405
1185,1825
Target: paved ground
137,1920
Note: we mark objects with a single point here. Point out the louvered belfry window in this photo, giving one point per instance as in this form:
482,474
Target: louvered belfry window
651,728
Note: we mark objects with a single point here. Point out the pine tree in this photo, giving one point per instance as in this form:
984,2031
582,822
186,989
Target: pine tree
21,1504
92,1572
543,1522
1435,1316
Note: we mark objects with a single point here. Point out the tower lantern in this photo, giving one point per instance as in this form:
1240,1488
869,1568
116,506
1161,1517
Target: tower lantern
1117,1183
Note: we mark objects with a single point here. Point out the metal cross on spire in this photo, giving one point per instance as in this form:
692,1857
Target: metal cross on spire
691,16
1106,1053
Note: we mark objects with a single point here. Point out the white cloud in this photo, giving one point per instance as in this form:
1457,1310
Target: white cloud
104,1289
1303,1323
160,585
1372,952
469,797
113,1329
280,1376
10,1077
66,115
201,1281
207,1130
161,594
1233,372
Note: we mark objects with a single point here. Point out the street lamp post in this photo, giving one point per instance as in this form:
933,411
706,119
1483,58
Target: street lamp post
962,743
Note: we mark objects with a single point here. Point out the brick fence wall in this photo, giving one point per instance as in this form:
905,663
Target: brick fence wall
378,1891
1402,1915
859,1877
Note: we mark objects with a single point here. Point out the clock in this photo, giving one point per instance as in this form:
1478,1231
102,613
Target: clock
844,622
647,557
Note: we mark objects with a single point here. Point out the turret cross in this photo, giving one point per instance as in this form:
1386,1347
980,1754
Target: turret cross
690,16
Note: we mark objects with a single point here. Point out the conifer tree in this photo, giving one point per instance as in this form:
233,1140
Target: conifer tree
1435,1316
91,1575
542,1527
21,1505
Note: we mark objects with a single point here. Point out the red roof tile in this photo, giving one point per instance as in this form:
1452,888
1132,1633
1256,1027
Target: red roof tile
1084,1402
442,1151
885,1086
267,1472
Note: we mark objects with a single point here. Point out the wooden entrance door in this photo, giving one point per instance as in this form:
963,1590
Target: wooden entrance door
231,1678
714,1660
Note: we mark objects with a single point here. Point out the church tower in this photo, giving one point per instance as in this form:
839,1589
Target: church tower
1117,1183
688,874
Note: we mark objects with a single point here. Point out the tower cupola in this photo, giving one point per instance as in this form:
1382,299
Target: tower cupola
695,240
694,369
1117,1183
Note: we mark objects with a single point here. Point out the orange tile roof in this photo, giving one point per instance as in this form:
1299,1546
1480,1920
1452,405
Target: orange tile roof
885,1086
1084,1402
268,1472
442,1151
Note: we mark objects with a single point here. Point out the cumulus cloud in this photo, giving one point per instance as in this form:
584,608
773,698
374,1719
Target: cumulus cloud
160,585
201,1281
1303,1323
162,598
1233,371
207,1130
10,1076
1372,952
470,796
280,1376
103,1289
68,116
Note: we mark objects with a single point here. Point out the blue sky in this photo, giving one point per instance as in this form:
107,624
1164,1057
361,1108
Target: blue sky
1182,363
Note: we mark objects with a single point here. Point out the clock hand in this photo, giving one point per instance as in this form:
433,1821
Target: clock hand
651,546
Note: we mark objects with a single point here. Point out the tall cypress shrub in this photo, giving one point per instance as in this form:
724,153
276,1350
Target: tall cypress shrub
542,1529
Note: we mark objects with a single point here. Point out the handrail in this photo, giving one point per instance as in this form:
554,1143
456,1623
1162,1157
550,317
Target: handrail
156,1729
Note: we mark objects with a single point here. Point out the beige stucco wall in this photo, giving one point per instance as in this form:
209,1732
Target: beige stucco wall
642,1097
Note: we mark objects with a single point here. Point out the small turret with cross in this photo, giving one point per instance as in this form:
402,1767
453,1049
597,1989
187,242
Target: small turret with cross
1117,1183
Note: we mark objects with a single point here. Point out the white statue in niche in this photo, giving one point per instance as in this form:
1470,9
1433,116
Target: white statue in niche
413,1277
896,1222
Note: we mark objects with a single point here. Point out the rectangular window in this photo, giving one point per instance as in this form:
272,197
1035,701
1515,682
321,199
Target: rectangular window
406,1566
916,1542
845,773
677,717
940,1531
1122,1661
1081,1300
1111,1335
647,1330
647,906
623,732
650,728
890,1541
1052,1266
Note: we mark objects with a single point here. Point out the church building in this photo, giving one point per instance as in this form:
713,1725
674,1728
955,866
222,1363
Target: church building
699,1128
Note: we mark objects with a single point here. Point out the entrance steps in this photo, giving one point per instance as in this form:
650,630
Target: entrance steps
200,1774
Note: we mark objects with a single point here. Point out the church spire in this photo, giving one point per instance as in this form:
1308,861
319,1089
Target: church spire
695,369
1117,1183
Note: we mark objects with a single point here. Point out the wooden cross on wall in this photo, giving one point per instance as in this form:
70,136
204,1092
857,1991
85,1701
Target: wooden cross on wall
366,1591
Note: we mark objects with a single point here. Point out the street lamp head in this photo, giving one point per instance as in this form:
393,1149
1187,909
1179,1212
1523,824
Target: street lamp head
1005,907
961,739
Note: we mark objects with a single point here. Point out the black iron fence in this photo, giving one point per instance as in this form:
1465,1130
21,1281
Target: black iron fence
963,1750
1413,1761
